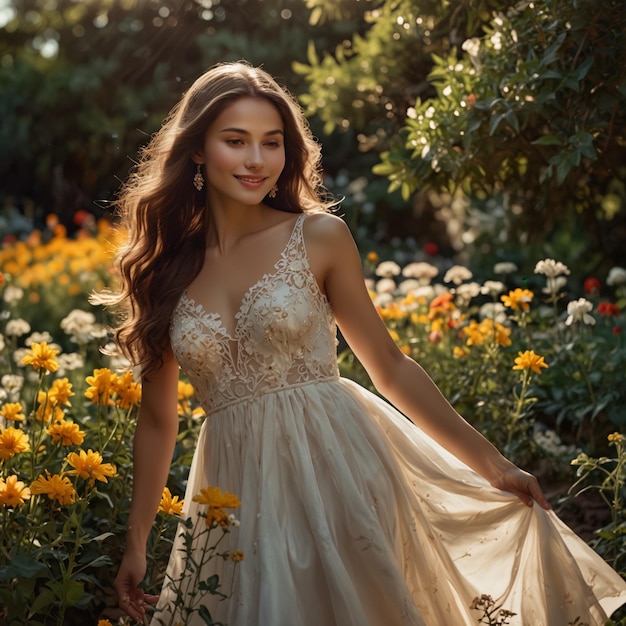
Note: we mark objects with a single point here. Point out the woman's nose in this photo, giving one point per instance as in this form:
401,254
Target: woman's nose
254,158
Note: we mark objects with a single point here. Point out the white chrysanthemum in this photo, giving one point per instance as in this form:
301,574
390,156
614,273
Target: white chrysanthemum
457,274
551,268
12,294
492,288
387,269
385,285
69,363
383,299
616,277
421,271
555,284
81,326
17,328
424,291
13,383
408,285
39,337
464,293
18,355
578,311
505,267
495,311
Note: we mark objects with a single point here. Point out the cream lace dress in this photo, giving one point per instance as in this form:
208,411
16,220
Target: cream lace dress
351,515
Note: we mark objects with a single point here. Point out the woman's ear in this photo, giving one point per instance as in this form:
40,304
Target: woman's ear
198,157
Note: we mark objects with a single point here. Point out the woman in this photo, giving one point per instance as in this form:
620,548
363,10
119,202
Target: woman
351,514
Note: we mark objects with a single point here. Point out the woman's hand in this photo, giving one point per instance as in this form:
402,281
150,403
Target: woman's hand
131,597
522,484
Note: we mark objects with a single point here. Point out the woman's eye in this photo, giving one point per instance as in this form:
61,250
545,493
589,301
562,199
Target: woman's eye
273,144
234,141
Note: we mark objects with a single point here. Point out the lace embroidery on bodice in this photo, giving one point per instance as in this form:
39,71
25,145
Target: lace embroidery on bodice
285,335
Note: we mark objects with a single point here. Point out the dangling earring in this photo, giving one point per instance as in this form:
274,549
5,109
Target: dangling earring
198,179
273,191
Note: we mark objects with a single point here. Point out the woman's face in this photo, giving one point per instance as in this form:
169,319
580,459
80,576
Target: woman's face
243,152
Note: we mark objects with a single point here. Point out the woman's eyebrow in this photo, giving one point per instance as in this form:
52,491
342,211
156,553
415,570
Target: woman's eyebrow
245,132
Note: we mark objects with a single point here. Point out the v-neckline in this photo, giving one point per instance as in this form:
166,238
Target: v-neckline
232,336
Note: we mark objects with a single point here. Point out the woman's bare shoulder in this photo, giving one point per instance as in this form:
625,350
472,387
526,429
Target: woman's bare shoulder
326,228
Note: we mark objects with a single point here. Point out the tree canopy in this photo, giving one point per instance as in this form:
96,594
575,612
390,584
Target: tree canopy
524,103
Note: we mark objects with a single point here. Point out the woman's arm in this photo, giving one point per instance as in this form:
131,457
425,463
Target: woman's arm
153,447
337,265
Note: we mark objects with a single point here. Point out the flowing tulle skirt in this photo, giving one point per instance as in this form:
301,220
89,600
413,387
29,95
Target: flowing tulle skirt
352,516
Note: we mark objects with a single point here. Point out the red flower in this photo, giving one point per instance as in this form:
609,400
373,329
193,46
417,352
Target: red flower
608,309
430,248
592,286
617,330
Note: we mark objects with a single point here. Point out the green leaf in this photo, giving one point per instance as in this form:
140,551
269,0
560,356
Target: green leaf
548,140
22,566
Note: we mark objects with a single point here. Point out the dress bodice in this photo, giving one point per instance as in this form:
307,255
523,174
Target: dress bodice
284,336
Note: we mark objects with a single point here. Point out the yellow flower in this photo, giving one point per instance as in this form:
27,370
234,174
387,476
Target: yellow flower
12,411
89,465
67,433
104,622
185,390
237,556
518,299
41,356
615,438
216,500
372,257
13,492
12,442
170,505
56,487
529,361
128,391
46,411
102,386
459,352
60,392
478,333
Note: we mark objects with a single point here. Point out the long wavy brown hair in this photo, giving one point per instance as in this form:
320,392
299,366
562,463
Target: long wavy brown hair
165,220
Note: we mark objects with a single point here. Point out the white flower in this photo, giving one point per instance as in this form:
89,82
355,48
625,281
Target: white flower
578,311
424,291
495,311
383,299
81,326
492,288
617,276
38,338
17,328
18,355
408,285
13,384
385,285
2,344
457,274
505,267
471,46
12,294
554,285
464,293
388,269
551,268
69,362
421,271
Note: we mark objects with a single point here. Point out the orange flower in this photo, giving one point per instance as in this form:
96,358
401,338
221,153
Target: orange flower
127,390
170,505
66,433
518,299
529,361
89,465
56,487
12,442
216,500
13,411
42,357
102,386
13,492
